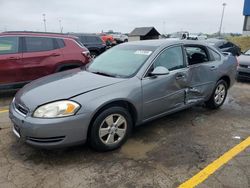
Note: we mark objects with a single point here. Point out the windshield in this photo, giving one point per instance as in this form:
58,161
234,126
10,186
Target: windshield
121,61
247,52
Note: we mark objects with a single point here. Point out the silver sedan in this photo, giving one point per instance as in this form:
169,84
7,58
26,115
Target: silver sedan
126,86
243,70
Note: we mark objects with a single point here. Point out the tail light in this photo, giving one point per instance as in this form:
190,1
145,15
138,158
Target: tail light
86,54
237,60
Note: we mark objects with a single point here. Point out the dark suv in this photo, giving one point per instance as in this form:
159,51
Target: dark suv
93,42
225,46
26,56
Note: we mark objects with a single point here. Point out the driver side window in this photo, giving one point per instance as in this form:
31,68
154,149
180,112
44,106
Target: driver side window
171,58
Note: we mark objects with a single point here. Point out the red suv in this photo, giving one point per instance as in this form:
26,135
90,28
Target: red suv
26,56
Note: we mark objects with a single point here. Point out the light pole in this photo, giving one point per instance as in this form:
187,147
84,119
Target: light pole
44,22
60,25
222,16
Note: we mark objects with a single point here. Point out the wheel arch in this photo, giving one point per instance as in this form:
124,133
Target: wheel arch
226,79
121,103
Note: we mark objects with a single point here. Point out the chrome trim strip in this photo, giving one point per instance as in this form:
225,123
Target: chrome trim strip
18,111
16,133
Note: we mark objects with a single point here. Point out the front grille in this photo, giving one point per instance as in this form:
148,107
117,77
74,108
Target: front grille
46,140
244,74
21,109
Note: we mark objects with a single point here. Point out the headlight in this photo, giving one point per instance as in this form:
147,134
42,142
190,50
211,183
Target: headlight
57,109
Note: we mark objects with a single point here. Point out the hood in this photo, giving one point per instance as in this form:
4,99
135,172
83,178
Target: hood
244,59
62,85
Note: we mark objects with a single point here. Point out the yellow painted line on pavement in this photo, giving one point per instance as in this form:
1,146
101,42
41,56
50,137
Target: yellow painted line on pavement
4,111
215,165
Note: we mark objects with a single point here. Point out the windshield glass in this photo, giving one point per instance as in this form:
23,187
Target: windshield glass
121,61
247,52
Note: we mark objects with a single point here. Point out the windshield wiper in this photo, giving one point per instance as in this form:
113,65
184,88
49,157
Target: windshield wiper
103,73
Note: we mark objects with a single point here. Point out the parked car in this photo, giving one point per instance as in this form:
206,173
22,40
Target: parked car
243,71
93,42
197,37
126,86
108,39
225,46
26,56
118,37
179,35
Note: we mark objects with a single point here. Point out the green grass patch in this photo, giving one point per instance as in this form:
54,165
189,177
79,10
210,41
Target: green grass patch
243,42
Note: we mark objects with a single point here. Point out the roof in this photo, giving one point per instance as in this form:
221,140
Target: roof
83,34
143,31
34,33
165,42
215,41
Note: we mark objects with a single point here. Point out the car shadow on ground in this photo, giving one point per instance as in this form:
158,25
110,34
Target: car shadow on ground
168,140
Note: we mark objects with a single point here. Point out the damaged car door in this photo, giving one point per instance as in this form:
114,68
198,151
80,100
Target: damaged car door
165,92
202,73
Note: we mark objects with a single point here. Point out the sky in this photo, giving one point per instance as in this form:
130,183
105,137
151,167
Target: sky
93,16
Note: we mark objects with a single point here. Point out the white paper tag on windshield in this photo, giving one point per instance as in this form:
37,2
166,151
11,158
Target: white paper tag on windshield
143,52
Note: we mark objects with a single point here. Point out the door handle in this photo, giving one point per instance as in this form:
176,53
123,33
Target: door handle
213,68
14,58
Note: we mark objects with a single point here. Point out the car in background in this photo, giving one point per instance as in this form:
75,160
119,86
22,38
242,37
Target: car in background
93,42
118,37
108,39
179,35
199,36
225,46
26,56
243,71
126,86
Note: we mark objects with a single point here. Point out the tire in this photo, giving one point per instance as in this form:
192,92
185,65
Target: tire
219,95
94,54
104,134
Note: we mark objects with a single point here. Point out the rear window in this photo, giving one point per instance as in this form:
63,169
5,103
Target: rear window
37,44
60,43
8,45
79,42
91,39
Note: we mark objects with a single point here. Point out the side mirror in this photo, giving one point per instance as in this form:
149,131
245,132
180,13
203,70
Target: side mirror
159,71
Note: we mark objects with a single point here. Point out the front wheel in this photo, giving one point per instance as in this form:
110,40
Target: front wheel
219,95
110,129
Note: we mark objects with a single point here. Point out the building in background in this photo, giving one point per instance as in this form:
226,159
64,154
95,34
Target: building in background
246,13
143,33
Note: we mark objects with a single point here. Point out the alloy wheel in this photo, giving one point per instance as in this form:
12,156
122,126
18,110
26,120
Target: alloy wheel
113,129
219,94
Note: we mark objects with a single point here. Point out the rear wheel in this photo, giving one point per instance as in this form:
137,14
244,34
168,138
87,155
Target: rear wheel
110,129
219,95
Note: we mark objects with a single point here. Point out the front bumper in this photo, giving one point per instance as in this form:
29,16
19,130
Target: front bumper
50,133
243,73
